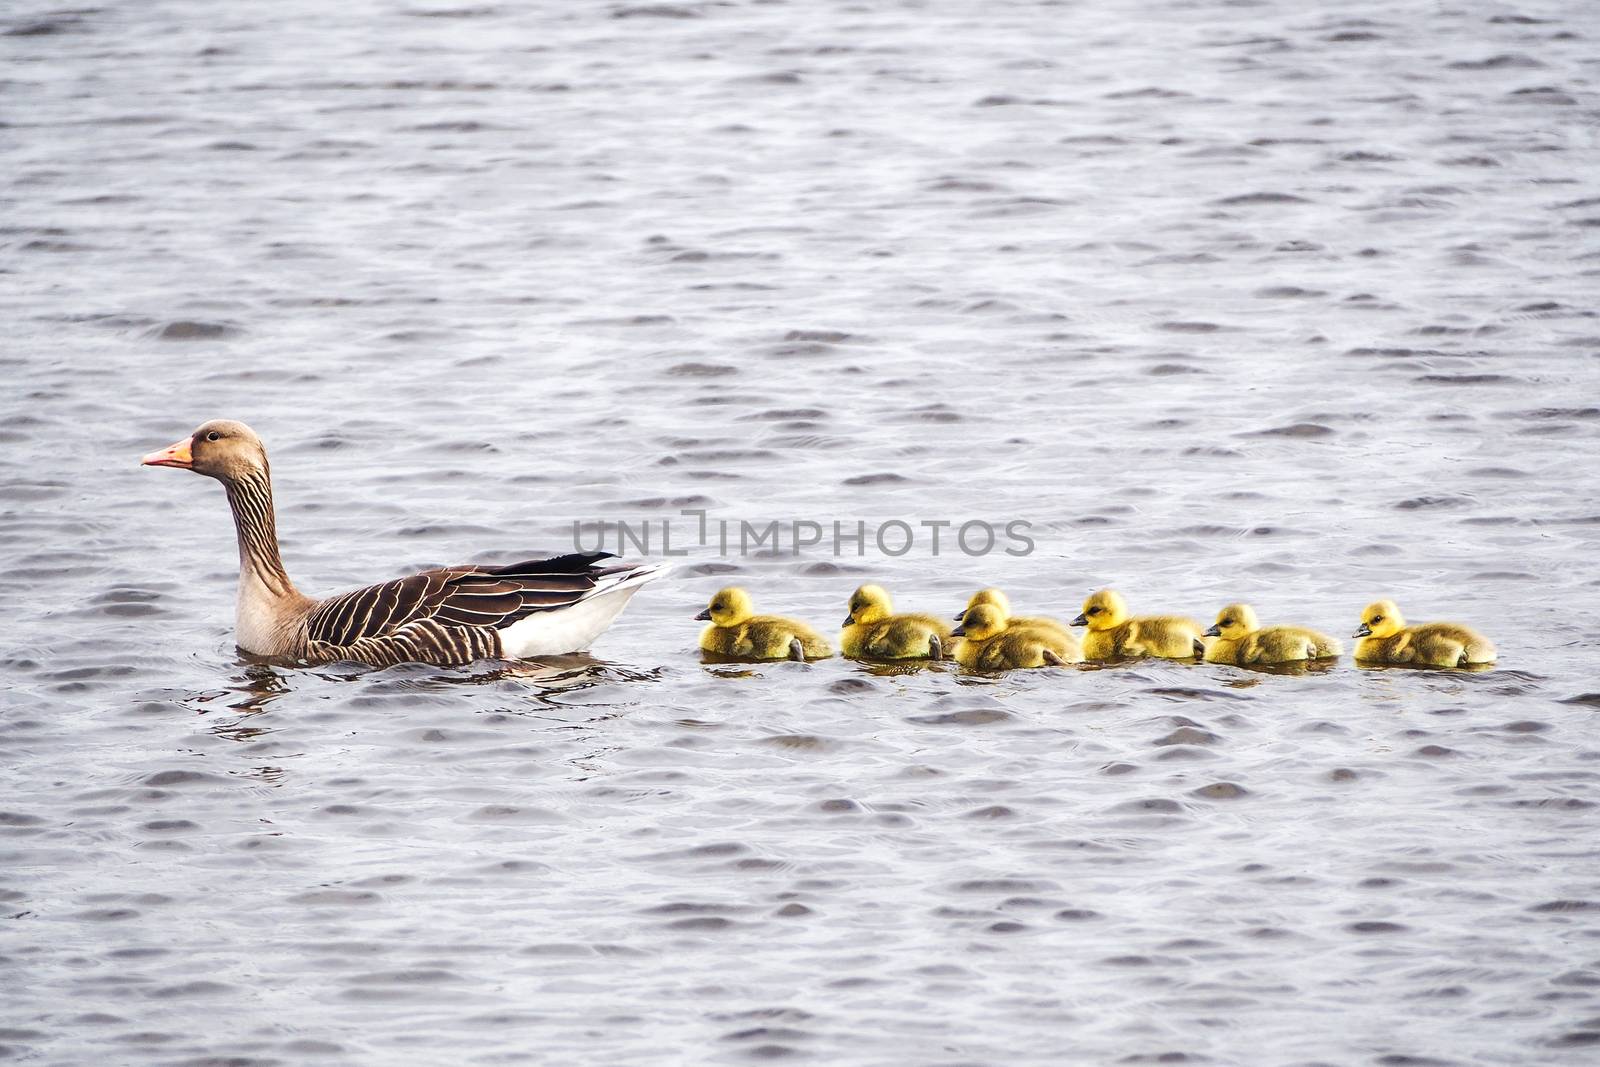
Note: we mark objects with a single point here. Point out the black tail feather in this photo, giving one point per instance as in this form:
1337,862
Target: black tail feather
571,563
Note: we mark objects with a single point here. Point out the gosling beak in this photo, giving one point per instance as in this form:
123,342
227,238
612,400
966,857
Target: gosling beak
704,616
1214,632
849,620
174,455
959,631
1080,620
958,616
1362,631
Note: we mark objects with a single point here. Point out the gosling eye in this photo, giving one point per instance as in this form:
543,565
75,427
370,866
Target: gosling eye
1094,611
1226,622
1377,618
213,436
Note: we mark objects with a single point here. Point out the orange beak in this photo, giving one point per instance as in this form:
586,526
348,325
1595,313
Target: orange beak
174,455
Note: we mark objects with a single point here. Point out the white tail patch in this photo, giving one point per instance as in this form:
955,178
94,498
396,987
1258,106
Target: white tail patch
575,627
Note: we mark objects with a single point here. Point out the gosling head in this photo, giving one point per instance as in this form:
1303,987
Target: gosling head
987,596
222,449
980,622
1104,610
869,604
729,607
1235,622
1381,619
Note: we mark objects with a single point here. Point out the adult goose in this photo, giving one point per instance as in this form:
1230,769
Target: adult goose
448,616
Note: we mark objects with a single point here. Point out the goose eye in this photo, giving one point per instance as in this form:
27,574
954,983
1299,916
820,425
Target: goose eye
1227,622
1377,618
213,436
1094,611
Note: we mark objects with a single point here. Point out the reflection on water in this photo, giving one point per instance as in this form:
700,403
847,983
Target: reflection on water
1230,302
1301,667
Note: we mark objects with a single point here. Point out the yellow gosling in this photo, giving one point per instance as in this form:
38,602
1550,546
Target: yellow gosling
1385,638
1113,634
996,598
990,644
1241,640
736,631
873,631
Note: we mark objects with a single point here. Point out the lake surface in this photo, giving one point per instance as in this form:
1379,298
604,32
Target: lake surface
1227,300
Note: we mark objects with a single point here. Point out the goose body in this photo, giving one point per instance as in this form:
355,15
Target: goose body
1113,633
736,632
998,599
1385,638
873,631
1243,641
991,642
448,616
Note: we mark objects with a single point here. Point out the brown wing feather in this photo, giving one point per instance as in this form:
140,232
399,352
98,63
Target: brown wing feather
487,597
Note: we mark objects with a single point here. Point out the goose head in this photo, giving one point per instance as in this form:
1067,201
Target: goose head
987,596
222,449
1235,622
980,622
730,607
1381,619
1105,610
869,604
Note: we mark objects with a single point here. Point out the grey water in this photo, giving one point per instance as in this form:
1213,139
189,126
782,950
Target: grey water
1285,302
